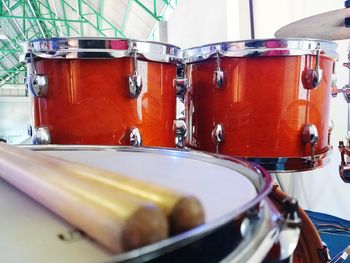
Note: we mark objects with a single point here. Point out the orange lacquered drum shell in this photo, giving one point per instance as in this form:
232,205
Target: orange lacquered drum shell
262,105
88,101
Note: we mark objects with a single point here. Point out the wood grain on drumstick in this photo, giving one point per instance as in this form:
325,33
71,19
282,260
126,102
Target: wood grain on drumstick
184,211
117,220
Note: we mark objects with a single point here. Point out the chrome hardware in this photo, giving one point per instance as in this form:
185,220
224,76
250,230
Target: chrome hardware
218,135
311,78
261,48
181,85
37,84
344,167
30,130
42,135
293,164
345,90
96,47
218,77
135,80
135,85
310,136
290,228
135,137
330,129
181,133
334,77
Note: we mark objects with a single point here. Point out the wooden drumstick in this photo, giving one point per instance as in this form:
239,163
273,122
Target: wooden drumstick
184,211
117,220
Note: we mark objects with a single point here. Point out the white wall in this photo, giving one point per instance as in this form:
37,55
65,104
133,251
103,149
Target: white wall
15,116
197,22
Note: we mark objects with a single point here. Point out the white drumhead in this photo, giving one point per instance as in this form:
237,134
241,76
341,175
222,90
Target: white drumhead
33,230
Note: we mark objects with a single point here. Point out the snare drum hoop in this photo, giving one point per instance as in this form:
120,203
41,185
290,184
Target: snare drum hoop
261,180
262,48
99,48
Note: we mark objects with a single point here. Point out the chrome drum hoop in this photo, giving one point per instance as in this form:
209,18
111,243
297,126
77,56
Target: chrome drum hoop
293,164
99,48
262,48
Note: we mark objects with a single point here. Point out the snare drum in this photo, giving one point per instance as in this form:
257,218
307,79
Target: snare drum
102,91
241,223
267,100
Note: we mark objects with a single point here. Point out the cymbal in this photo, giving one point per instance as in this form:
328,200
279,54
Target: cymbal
328,26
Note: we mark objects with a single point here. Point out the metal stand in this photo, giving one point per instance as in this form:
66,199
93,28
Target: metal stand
344,148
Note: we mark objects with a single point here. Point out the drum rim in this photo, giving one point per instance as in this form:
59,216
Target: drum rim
71,48
263,186
260,48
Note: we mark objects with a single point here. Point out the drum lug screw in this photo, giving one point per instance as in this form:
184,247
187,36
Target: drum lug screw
135,85
135,137
330,129
218,135
311,78
218,77
181,133
42,135
135,80
181,85
310,136
37,84
290,228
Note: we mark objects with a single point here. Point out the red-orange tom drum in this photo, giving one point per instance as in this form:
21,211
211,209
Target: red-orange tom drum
102,91
267,100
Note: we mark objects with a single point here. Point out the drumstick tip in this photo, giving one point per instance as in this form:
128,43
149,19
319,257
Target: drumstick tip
147,225
187,213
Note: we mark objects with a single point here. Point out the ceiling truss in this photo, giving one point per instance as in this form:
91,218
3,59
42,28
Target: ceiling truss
23,20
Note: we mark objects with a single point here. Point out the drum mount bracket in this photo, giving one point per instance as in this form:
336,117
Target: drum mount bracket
344,167
218,136
181,132
42,135
310,136
218,76
135,80
311,78
135,138
36,83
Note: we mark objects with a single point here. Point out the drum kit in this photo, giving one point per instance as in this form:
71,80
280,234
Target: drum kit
110,104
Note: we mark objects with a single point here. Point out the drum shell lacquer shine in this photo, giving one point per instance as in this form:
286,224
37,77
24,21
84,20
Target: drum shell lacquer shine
262,106
88,102
102,91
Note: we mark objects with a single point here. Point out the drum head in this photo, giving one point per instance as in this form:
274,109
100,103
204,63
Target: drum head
226,188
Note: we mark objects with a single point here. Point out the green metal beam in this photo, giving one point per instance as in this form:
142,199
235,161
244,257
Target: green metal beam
153,14
12,70
65,16
43,19
14,20
92,10
100,10
10,50
168,3
17,4
36,14
80,14
12,75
